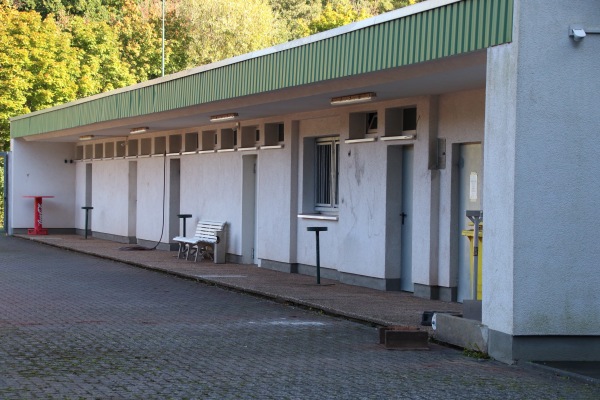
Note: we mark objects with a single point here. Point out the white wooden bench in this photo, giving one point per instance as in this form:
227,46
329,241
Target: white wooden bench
209,240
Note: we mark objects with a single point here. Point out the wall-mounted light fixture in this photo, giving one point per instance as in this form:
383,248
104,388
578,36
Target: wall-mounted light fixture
353,98
86,137
141,129
578,32
223,117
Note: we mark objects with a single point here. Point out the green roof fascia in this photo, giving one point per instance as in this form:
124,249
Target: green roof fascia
387,41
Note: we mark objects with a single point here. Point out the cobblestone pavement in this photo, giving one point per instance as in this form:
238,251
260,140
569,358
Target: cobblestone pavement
74,326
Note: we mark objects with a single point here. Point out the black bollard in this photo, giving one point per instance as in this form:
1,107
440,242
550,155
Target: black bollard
87,211
184,217
316,230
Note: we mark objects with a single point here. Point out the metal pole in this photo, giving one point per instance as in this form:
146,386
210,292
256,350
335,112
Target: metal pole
318,261
476,217
86,222
316,230
476,259
87,211
163,37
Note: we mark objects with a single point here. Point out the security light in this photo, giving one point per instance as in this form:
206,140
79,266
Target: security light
353,98
223,117
141,129
576,32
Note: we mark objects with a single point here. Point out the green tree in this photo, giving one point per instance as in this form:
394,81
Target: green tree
296,14
337,13
93,9
97,48
139,28
38,68
225,28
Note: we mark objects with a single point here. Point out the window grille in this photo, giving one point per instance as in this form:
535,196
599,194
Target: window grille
326,173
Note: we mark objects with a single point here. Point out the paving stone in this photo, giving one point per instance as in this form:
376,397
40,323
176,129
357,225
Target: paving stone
74,326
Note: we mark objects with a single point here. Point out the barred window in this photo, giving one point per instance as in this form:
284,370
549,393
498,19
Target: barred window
326,173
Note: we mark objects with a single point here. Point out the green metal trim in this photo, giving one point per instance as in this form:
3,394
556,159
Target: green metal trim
453,29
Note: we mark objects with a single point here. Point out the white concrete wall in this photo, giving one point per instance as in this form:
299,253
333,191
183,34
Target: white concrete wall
149,210
542,186
360,237
211,189
110,188
276,214
40,169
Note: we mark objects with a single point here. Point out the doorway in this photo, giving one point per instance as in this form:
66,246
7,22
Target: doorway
174,196
249,192
470,170
132,203
406,219
3,192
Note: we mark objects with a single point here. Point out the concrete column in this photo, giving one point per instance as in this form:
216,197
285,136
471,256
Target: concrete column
426,202
542,188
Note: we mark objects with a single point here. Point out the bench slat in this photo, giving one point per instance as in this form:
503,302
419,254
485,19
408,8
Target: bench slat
206,231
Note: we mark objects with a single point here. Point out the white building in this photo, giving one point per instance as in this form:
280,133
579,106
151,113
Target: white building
462,105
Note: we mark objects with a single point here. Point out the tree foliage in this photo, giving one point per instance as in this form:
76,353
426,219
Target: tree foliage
38,68
96,46
54,51
295,15
337,13
225,28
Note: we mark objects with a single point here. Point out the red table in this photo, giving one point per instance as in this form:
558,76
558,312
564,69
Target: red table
37,215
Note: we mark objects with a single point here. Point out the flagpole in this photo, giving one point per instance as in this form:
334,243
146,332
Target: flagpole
163,37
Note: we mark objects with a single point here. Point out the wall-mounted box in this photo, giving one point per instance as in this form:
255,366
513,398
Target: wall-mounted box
160,145
175,144
132,148
208,140
109,150
145,146
190,143
226,139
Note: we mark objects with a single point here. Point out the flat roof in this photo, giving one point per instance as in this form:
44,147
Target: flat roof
426,31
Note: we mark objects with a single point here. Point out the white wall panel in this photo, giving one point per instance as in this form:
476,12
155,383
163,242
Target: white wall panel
40,169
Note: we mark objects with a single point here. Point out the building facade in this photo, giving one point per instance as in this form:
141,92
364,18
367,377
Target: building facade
386,132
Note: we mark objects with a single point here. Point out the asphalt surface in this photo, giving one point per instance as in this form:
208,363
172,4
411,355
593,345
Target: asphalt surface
76,326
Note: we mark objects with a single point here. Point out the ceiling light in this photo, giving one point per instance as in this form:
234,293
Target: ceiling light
86,137
141,129
353,98
223,117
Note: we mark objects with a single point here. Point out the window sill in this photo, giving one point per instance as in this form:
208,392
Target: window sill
406,135
363,140
321,217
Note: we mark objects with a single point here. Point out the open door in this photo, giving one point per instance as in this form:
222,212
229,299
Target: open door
470,190
249,253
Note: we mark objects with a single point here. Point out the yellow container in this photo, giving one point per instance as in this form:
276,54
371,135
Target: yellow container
470,234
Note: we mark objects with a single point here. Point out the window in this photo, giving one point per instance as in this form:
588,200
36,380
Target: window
326,173
372,122
362,124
